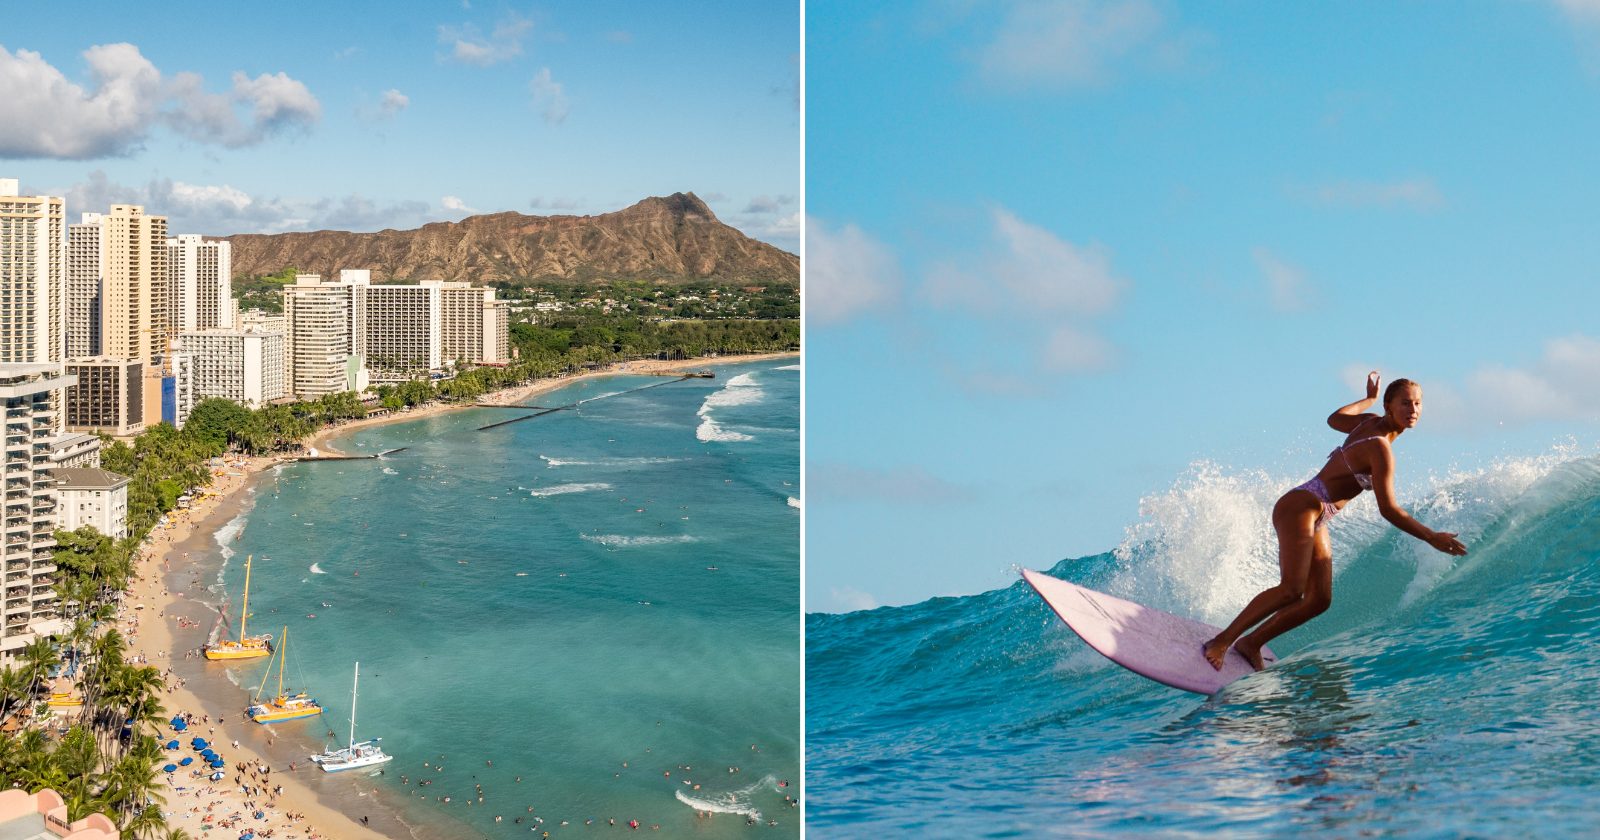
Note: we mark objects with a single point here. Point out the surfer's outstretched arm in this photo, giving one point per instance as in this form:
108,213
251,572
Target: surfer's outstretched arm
1348,417
1383,488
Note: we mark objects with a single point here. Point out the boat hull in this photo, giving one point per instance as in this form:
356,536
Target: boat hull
253,649
366,754
262,714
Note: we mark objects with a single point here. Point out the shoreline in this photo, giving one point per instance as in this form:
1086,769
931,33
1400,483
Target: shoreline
512,396
170,586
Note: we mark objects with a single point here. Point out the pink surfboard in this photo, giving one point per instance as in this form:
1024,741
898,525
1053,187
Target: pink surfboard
1151,643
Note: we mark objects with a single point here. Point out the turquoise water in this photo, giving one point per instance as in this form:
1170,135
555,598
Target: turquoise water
589,599
1437,697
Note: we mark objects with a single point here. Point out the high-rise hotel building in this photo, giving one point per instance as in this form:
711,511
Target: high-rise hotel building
30,394
474,327
108,396
33,256
402,331
245,366
135,322
199,284
326,324
85,244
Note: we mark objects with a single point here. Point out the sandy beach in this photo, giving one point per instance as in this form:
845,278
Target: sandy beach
166,623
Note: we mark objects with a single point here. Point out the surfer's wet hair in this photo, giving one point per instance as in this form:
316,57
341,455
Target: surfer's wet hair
1394,388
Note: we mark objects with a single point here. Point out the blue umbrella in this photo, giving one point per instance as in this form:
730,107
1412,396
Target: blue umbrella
217,765
209,755
198,743
179,725
172,745
170,768
186,761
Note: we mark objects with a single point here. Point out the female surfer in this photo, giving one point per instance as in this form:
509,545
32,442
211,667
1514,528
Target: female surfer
1364,462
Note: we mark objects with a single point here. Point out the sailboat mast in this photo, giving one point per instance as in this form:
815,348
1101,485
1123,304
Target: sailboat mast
353,684
284,659
244,614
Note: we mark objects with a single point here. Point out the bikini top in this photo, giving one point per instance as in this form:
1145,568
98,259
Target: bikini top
1363,479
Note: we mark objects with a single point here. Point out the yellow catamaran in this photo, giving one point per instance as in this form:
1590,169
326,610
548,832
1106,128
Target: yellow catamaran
283,706
247,647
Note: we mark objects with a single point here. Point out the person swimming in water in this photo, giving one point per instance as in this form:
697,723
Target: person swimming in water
1305,558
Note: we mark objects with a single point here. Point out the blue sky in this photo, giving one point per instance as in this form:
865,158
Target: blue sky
1065,255
234,117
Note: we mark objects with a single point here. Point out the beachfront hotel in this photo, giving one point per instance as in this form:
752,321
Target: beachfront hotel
33,255
85,241
94,497
402,331
199,284
474,327
32,395
243,365
134,317
108,396
326,330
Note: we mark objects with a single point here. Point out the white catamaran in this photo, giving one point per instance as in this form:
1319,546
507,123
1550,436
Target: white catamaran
364,754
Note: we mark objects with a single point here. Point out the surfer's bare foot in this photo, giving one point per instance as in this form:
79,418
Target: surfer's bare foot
1250,652
1214,651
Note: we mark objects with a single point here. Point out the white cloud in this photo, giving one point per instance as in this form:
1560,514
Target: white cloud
1413,193
49,116
1563,384
469,46
1070,350
393,102
1068,43
1028,271
1287,287
222,209
768,204
1580,11
457,207
549,95
850,599
46,115
847,273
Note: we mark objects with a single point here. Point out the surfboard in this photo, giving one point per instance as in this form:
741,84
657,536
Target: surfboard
1151,643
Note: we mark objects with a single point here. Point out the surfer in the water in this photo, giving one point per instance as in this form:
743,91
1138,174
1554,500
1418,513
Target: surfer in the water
1364,462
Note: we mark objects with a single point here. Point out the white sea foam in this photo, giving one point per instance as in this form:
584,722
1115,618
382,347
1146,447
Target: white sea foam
317,570
607,462
793,502
563,489
710,431
623,541
224,535
1205,546
390,471
740,801
740,390
788,367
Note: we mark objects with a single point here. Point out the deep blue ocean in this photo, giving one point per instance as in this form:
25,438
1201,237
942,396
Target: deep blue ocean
602,602
1438,697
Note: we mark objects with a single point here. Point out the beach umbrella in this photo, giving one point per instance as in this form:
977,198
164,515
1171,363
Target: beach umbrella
217,765
179,725
170,768
187,760
215,777
208,755
172,745
198,743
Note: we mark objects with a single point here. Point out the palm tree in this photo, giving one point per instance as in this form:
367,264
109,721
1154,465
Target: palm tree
37,660
13,685
146,822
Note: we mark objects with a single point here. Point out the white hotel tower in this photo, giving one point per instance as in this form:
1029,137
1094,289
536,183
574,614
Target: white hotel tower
31,398
33,259
200,283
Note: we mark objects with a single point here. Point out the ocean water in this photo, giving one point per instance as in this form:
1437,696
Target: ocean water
1438,697
601,602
